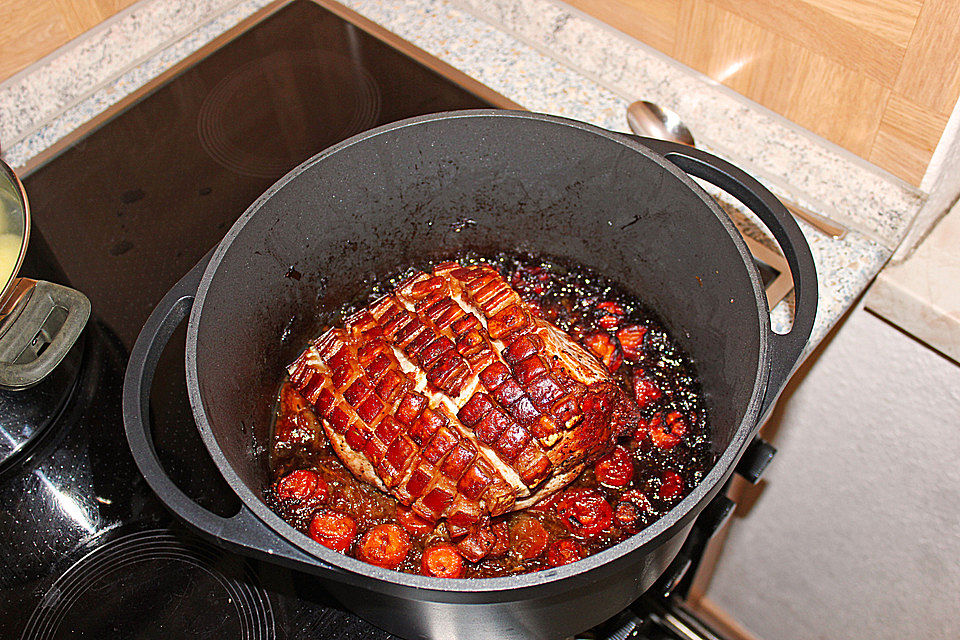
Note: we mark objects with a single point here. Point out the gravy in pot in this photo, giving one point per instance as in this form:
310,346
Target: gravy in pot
648,470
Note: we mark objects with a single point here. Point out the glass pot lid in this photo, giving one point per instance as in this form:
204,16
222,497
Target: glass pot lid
14,229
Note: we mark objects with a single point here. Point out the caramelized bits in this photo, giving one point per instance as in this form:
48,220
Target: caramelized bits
600,345
631,340
564,551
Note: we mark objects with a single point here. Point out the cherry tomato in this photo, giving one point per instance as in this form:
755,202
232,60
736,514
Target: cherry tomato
677,424
442,561
564,552
611,307
301,486
385,545
413,523
584,512
671,485
333,529
608,321
645,390
600,345
669,435
631,340
615,469
662,439
612,313
528,538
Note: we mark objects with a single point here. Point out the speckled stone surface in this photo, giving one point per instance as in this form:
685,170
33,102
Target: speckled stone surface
518,66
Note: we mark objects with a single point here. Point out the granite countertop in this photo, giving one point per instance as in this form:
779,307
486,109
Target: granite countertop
540,54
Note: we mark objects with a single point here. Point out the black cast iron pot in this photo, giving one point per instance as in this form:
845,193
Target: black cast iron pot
429,187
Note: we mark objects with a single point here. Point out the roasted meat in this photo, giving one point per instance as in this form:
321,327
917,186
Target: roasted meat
452,396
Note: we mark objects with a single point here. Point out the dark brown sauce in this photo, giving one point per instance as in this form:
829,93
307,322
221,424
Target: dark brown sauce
593,310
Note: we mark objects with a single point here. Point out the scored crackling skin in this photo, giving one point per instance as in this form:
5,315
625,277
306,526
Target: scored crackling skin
450,395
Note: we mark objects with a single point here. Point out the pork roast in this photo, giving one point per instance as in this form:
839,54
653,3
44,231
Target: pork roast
452,396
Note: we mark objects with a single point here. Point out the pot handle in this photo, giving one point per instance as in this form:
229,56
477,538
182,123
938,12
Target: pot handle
787,349
41,329
243,531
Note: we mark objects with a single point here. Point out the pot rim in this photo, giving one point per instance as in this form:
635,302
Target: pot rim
8,286
646,540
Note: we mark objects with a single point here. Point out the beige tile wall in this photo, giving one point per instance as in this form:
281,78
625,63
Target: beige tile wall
877,77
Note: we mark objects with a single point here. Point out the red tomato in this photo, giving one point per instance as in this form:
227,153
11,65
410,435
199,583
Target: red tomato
301,486
615,469
662,439
442,561
671,485
678,426
584,512
385,545
611,307
645,390
670,435
564,552
608,321
333,529
631,339
412,522
528,538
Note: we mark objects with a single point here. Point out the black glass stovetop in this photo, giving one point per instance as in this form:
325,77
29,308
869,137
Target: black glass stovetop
122,214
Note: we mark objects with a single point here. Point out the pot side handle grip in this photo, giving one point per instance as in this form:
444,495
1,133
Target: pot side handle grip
49,320
787,348
243,531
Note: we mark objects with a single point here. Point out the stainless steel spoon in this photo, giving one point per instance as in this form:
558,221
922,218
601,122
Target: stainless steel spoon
652,120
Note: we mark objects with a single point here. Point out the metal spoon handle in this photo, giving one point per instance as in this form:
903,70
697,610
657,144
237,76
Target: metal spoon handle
817,221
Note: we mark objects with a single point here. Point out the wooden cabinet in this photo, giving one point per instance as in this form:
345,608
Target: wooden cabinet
877,77
30,29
